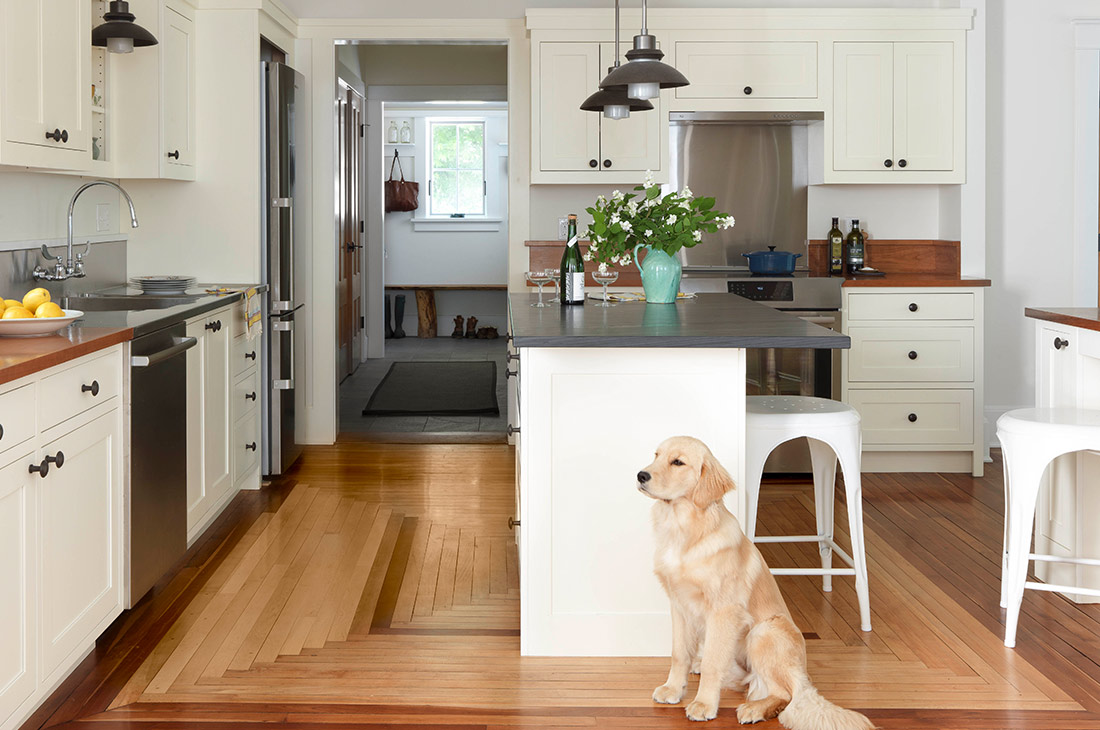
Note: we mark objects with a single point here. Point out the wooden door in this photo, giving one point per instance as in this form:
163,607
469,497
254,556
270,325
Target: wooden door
178,88
634,143
18,606
924,106
863,106
350,230
567,138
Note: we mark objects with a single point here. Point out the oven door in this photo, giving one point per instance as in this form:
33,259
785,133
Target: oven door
795,372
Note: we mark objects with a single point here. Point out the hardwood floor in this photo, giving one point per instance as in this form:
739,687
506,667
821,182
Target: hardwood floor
377,585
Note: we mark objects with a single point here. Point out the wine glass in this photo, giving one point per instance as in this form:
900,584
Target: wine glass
556,278
605,277
539,279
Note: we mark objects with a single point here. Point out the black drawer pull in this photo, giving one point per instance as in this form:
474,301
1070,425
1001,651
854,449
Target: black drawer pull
250,355
912,418
1059,343
510,373
214,326
251,446
512,357
512,429
93,388
59,460
888,163
593,163
40,469
607,163
902,163
912,354
58,135
175,154
512,523
250,396
748,91
913,307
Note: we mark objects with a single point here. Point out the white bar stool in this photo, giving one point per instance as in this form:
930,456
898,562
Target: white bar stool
1030,439
833,431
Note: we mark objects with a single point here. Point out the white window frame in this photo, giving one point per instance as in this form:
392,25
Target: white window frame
431,123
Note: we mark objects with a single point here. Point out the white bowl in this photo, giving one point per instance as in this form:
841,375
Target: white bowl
38,326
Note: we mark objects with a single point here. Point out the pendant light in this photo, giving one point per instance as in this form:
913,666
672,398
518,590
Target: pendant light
614,103
119,33
645,75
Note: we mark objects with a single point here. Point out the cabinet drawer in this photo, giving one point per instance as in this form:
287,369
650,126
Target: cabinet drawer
246,394
747,70
901,417
246,445
911,354
75,390
245,353
915,306
16,416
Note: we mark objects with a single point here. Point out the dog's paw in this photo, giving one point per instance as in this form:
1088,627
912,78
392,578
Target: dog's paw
666,694
697,667
759,710
700,711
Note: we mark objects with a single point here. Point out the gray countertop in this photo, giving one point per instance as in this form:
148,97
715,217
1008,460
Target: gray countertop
708,320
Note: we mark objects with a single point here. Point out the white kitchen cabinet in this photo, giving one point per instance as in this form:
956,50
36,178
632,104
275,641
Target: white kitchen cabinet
245,407
747,69
914,374
178,89
209,423
18,543
574,146
45,84
899,112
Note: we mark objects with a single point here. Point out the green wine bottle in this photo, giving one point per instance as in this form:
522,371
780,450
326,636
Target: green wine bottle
855,248
836,250
572,267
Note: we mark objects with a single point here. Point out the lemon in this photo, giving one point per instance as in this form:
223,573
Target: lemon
17,313
48,309
35,297
12,303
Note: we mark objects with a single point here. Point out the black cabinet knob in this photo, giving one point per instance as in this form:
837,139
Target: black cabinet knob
913,307
512,429
174,154
1,431
219,328
40,469
912,354
512,523
55,135
607,163
250,396
1059,343
250,355
902,163
512,357
748,91
251,446
59,460
93,388
510,373
214,326
912,418
593,163
888,163
64,135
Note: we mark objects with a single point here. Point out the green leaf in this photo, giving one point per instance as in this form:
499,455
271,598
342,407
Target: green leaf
652,192
705,203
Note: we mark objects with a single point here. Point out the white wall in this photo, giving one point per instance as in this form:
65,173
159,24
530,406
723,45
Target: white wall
1030,131
35,206
884,211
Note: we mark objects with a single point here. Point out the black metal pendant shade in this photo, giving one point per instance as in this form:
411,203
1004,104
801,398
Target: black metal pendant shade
645,67
119,26
614,97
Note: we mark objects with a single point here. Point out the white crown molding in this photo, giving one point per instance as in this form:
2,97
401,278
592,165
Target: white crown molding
1086,33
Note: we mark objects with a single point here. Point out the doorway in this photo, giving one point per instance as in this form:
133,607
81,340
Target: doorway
350,227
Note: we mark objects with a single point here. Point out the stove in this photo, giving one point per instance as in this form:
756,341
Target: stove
798,292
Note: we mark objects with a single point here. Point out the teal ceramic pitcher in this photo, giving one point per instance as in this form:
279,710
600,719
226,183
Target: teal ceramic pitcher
660,275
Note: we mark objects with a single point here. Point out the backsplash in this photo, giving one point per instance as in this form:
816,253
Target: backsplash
105,266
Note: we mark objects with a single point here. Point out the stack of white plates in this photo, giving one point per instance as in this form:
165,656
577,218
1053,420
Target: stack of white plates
163,284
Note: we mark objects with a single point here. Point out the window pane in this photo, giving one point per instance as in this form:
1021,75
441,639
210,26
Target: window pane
471,198
470,145
444,194
443,145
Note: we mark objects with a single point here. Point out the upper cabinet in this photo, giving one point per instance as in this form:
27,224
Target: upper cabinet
45,96
747,70
899,112
178,88
573,146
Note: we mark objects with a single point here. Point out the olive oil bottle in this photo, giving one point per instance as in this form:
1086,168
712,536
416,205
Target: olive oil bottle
855,248
836,250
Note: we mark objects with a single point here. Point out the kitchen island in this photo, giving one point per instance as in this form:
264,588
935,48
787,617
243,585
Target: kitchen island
598,389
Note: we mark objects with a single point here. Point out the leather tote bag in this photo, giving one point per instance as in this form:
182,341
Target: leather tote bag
401,195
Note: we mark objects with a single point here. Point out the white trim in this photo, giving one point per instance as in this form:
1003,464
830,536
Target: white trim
465,225
1086,162
34,244
756,18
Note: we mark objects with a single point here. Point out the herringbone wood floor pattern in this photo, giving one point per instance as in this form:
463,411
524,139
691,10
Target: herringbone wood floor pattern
382,587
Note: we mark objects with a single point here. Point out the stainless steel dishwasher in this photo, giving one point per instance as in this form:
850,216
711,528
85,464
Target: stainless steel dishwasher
158,455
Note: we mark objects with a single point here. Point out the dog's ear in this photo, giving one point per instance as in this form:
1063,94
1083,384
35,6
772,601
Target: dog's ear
714,482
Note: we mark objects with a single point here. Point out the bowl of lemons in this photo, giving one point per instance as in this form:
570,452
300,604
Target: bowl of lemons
34,315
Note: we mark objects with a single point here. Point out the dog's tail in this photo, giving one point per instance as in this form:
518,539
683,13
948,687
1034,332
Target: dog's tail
808,710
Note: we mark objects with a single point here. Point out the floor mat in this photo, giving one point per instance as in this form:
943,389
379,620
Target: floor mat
436,389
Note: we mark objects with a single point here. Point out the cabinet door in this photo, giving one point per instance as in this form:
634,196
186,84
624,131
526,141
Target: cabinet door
80,507
924,106
178,89
17,576
634,143
863,106
567,138
209,469
744,69
47,74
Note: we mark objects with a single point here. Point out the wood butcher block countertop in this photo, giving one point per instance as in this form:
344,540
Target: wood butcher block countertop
22,356
929,280
1084,317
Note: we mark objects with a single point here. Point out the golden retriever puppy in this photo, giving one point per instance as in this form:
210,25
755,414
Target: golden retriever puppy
729,621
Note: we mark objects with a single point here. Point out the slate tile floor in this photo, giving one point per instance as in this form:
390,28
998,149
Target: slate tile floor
356,390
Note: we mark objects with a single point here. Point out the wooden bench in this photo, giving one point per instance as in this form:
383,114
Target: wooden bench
426,325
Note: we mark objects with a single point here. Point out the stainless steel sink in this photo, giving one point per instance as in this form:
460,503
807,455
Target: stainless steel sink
126,303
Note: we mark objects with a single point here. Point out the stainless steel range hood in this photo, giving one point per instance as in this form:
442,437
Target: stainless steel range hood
745,117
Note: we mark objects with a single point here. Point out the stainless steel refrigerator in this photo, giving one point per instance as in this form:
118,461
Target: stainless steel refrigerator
282,312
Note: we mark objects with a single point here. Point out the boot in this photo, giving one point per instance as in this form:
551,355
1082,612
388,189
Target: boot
458,326
389,329
398,316
471,327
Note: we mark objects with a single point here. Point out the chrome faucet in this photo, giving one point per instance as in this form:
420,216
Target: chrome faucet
74,267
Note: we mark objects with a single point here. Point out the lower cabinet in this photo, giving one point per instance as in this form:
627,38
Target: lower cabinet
18,543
